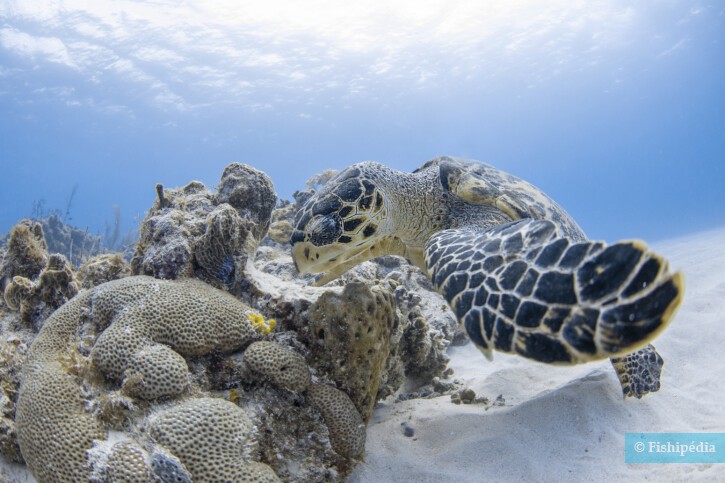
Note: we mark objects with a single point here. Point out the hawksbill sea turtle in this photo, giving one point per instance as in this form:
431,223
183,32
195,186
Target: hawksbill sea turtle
519,273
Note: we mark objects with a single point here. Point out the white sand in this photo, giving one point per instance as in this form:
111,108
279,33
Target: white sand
561,424
568,424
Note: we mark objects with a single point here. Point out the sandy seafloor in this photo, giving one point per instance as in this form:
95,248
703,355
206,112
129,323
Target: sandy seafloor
561,423
568,423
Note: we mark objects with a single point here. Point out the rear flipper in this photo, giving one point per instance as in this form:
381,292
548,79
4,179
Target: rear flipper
639,372
523,288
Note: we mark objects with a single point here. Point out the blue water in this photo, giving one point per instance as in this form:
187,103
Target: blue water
616,109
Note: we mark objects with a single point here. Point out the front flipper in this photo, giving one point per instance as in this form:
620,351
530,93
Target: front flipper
522,288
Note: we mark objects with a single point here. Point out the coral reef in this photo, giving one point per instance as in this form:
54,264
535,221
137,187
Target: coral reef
216,326
75,244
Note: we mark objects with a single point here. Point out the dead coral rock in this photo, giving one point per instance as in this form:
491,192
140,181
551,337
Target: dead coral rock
224,242
168,234
278,364
350,336
251,193
101,269
8,434
426,325
193,231
346,427
13,352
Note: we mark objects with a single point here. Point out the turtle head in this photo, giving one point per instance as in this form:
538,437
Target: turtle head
342,225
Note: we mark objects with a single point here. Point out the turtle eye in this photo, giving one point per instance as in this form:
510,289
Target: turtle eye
325,229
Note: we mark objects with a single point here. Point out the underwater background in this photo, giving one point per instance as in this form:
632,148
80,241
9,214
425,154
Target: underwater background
615,109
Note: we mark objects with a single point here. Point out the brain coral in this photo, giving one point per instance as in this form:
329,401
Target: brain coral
278,364
156,371
149,322
126,461
221,434
50,402
346,427
189,316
